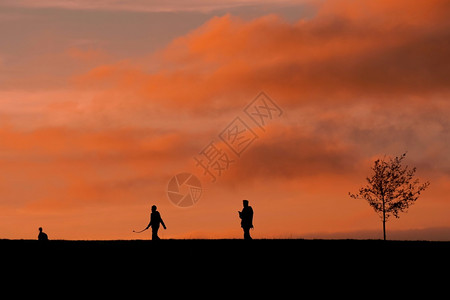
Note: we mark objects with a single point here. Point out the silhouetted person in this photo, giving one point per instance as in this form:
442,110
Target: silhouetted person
155,220
246,216
42,235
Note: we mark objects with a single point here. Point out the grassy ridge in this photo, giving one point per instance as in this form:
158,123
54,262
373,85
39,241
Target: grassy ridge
189,266
272,249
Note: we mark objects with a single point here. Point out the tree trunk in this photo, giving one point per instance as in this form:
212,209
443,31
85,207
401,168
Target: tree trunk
384,219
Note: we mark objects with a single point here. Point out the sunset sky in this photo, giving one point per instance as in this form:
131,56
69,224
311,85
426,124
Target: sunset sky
103,102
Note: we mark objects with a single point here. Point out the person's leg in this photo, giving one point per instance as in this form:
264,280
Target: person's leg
247,234
155,233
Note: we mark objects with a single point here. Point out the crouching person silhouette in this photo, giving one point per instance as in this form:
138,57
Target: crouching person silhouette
42,235
155,220
246,216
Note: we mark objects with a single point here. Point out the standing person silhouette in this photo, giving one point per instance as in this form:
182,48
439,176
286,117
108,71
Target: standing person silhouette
246,216
42,235
155,220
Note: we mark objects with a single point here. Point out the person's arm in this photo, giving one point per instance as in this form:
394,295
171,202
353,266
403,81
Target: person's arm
150,223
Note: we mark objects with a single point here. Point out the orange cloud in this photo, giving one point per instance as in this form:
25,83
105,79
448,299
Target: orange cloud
53,168
369,49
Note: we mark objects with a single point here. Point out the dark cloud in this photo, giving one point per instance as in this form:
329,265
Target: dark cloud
289,153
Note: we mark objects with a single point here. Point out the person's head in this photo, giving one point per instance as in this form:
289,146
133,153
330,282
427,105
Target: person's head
154,208
245,203
40,229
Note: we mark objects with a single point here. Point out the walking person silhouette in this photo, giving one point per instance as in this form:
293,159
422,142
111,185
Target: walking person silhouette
246,216
155,220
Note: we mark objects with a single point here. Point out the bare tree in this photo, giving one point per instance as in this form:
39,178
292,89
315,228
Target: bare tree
391,189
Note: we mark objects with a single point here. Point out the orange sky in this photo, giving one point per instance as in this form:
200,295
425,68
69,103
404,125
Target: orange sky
100,105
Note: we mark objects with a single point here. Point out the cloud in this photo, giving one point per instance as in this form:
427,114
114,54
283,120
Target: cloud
56,168
85,55
369,76
143,5
288,153
347,52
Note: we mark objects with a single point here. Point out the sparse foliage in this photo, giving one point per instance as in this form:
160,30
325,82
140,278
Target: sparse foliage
391,189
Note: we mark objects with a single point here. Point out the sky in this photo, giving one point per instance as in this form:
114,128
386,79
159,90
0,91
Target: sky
104,103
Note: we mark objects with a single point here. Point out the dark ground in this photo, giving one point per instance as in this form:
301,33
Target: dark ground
224,254
191,266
